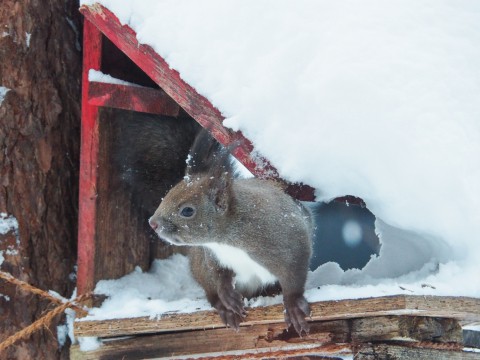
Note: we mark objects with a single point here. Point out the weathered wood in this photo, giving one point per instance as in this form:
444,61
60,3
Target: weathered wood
422,351
269,337
125,199
325,310
417,328
295,352
129,97
471,338
88,164
196,105
446,306
258,338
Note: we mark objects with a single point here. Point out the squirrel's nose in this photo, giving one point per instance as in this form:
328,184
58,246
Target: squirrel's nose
153,224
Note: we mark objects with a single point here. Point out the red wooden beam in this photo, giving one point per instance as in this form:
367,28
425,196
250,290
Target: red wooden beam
130,97
92,47
196,105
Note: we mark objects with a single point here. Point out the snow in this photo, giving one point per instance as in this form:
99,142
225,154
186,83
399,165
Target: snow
70,22
375,99
62,333
472,327
28,36
8,223
167,287
3,93
98,76
89,343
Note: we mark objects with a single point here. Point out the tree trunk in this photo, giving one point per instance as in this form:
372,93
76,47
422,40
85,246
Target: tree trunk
40,64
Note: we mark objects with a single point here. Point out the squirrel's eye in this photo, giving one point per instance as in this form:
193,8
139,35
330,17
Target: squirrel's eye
187,211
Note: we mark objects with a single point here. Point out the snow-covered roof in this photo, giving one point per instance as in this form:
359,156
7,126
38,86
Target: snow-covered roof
377,99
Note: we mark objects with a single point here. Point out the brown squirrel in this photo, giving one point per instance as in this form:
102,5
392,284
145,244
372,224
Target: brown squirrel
244,235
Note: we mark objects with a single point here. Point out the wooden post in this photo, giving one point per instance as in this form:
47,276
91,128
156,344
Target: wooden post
92,51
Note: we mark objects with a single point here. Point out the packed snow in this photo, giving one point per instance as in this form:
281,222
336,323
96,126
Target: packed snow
98,76
377,99
168,286
3,93
8,223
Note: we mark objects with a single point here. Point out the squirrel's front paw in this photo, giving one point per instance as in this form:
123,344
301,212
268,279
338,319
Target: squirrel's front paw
296,310
230,306
229,318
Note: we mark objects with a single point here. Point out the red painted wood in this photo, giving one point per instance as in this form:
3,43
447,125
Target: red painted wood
129,97
92,47
196,105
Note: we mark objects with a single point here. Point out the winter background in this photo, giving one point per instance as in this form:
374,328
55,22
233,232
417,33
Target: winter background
376,99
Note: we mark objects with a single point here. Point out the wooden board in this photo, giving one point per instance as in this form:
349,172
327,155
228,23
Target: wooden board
267,338
464,309
129,97
196,105
413,352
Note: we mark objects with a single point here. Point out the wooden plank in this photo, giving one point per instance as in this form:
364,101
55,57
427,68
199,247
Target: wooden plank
471,338
447,306
92,46
298,352
274,337
417,328
196,105
252,339
422,351
130,97
324,310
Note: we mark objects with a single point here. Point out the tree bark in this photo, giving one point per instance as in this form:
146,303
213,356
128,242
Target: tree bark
40,62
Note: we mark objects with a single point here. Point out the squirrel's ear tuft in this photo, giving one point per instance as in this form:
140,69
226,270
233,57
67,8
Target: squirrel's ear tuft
220,192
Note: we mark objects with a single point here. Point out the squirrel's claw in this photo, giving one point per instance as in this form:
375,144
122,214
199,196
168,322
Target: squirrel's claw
232,300
229,318
230,307
296,310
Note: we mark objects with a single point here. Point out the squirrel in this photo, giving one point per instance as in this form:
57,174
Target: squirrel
243,235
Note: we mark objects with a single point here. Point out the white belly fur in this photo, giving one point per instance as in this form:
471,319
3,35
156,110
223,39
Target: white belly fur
249,273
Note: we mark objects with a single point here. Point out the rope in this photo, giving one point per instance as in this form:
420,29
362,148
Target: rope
26,286
45,320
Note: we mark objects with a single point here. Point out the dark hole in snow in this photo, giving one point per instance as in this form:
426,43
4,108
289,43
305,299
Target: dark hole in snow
345,234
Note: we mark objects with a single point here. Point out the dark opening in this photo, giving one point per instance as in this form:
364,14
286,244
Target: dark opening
345,234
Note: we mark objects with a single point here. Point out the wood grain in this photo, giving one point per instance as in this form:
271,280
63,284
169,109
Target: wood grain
450,307
269,338
129,97
422,351
87,201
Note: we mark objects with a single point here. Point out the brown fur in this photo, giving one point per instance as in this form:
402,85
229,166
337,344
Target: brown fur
249,214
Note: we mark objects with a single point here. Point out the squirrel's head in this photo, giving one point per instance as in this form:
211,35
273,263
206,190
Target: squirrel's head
194,211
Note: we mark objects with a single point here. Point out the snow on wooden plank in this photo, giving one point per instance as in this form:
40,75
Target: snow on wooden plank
432,306
196,105
131,97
